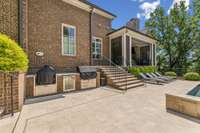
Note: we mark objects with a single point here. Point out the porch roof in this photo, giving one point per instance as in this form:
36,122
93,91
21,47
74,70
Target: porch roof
126,29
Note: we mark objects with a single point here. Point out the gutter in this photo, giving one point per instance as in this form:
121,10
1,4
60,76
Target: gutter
20,22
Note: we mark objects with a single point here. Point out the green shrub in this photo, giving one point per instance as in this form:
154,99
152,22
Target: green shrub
170,73
146,69
193,76
134,70
12,56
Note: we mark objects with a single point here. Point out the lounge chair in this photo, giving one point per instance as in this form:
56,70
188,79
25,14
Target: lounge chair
151,80
161,80
158,74
161,77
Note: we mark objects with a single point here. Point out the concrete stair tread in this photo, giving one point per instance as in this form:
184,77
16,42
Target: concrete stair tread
117,74
121,77
123,80
128,82
114,68
131,86
114,72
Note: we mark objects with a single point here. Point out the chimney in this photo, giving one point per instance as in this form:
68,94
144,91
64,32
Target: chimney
134,23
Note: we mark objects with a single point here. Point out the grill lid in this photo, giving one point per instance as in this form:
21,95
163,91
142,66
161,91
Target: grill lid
46,75
87,72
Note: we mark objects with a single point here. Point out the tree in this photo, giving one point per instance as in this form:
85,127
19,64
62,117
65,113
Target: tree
196,25
12,56
175,34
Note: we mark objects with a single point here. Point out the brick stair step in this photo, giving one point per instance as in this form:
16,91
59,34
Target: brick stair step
128,82
131,86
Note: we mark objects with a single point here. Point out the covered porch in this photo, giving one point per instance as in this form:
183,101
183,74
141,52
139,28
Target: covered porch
129,47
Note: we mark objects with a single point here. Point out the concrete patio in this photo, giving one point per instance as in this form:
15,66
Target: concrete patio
104,110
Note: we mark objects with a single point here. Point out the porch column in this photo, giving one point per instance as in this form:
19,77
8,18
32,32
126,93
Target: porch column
110,49
152,55
130,51
155,54
124,50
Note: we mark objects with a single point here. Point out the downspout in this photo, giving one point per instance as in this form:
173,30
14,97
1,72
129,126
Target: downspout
20,22
90,48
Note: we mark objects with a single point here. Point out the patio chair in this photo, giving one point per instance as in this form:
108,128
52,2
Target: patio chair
161,77
151,76
150,80
158,74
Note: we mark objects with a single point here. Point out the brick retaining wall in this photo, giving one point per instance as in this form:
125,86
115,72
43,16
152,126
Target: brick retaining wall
5,92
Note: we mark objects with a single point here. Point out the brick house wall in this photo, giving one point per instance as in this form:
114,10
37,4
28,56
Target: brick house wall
101,26
44,33
9,18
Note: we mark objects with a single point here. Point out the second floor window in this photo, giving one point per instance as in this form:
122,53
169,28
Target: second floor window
96,48
68,40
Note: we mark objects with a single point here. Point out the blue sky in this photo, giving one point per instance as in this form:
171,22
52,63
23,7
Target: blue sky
127,9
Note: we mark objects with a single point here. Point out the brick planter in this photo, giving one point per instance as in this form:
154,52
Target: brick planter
11,100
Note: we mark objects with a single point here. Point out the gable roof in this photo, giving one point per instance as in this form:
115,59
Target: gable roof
126,27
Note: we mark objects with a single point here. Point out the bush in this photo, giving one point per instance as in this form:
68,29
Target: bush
170,73
12,56
193,76
137,70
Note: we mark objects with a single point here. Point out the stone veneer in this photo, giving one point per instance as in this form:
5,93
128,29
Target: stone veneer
185,104
31,86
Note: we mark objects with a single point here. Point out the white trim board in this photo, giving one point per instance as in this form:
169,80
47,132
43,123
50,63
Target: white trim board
88,8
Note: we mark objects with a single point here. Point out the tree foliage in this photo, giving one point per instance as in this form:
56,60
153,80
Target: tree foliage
178,34
12,56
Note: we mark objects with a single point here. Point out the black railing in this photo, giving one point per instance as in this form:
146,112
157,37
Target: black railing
105,61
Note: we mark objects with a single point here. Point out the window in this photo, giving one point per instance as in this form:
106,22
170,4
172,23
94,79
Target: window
68,40
96,47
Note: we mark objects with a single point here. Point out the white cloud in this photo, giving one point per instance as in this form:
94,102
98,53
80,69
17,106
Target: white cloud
138,1
138,15
148,8
141,0
187,3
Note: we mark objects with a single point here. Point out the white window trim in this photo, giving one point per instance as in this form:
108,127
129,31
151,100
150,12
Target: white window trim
69,26
94,37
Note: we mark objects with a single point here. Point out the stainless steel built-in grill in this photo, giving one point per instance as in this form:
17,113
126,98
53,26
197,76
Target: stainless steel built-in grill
87,72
